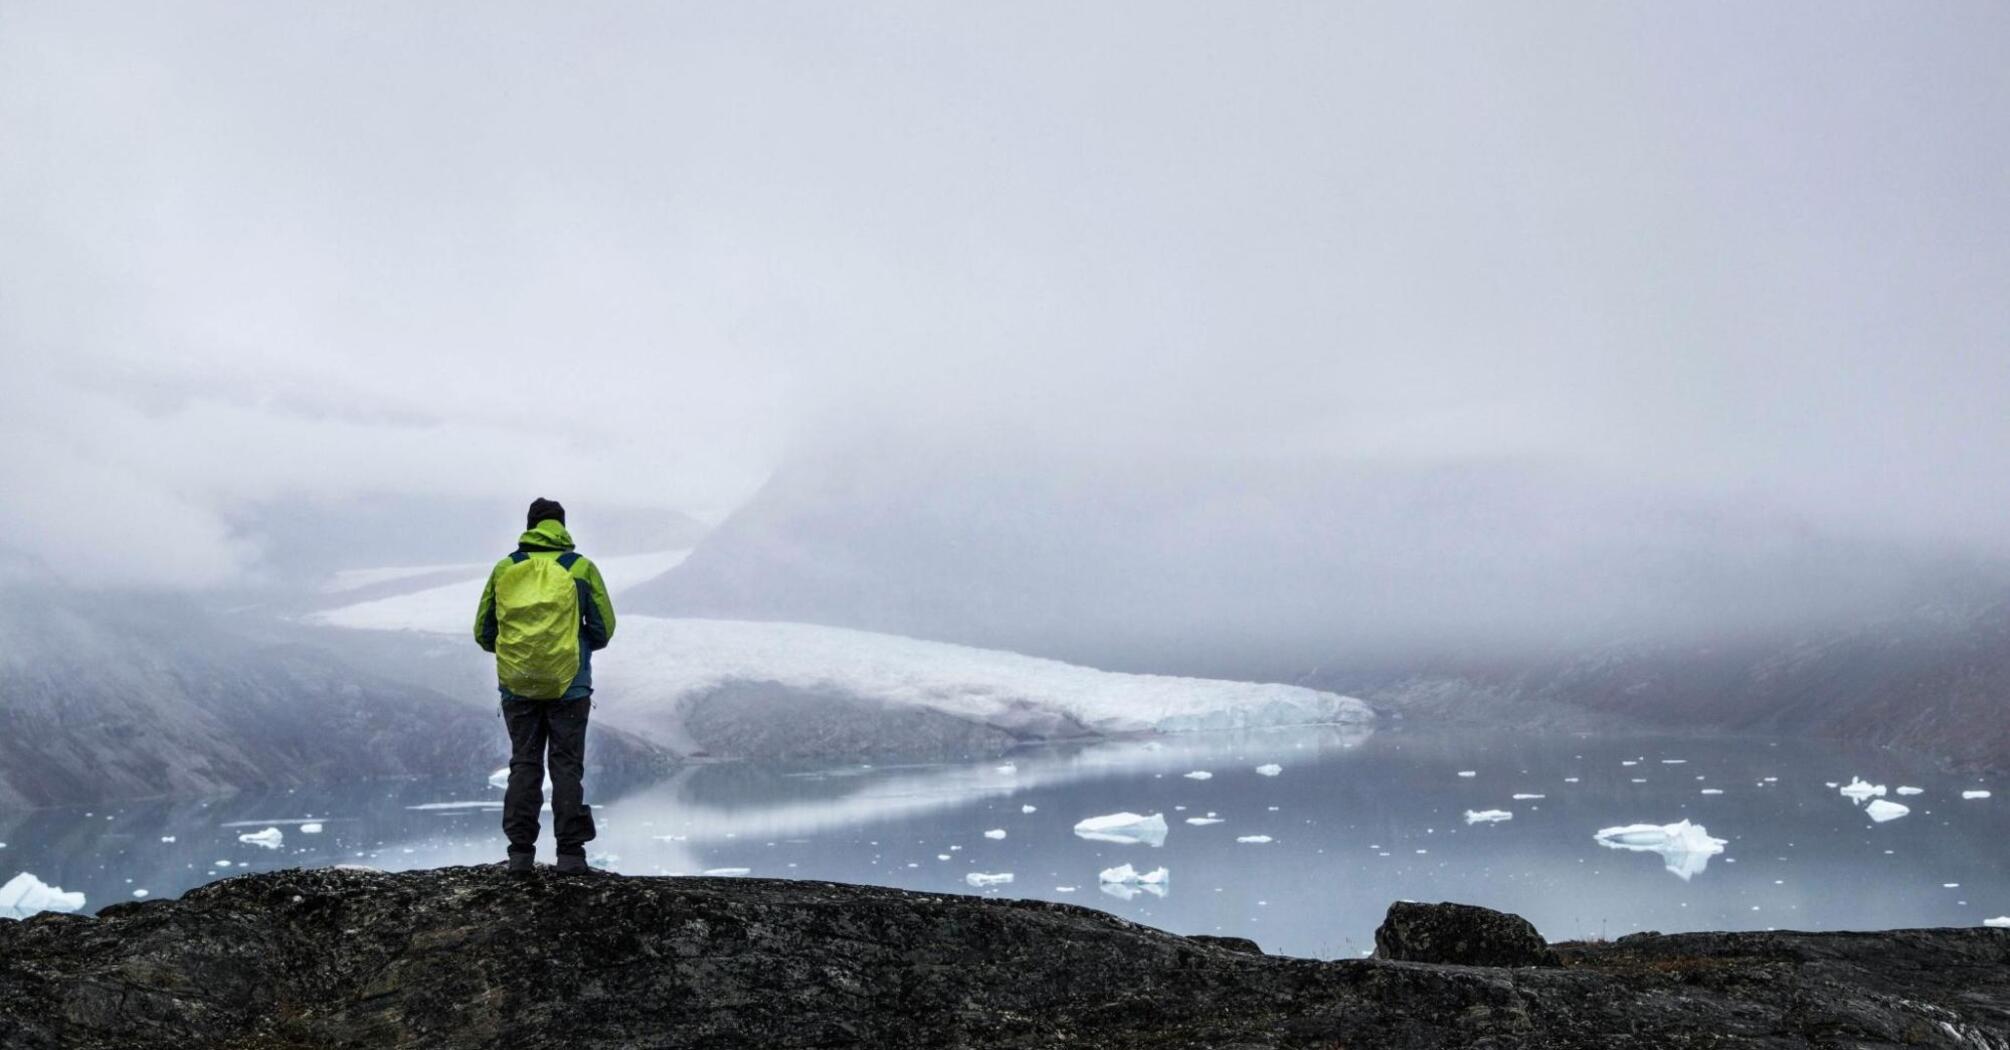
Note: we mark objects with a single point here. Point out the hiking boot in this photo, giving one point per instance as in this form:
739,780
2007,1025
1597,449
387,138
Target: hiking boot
523,863
572,864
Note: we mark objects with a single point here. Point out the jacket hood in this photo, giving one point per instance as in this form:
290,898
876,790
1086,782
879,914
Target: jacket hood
549,535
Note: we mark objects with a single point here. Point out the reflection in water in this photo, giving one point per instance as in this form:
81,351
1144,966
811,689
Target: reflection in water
1304,861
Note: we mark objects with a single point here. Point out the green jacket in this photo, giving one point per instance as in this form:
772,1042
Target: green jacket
544,611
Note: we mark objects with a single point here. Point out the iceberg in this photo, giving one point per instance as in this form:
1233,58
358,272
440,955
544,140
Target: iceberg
1269,769
981,879
1908,790
1527,795
1857,790
1125,891
24,895
995,833
1881,810
1974,794
1469,773
2001,921
270,838
1125,828
1029,809
310,828
1201,822
1124,874
1199,774
1255,839
1685,848
499,779
1487,816
727,871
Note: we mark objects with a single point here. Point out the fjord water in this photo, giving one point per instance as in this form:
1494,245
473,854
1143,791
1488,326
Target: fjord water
1354,820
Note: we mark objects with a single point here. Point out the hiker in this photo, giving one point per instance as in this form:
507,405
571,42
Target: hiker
543,612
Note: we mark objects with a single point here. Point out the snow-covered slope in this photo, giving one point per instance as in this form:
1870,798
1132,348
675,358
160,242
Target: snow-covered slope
450,608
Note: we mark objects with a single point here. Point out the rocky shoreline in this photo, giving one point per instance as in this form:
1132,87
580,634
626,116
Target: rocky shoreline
469,957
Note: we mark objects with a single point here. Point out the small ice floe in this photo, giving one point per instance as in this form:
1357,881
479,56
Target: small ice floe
1201,822
1857,790
1628,762
24,895
1029,809
1674,761
1570,780
1469,773
1525,796
1064,889
995,833
727,871
499,779
310,829
140,892
1974,794
1124,874
270,838
1126,828
167,838
1488,816
1907,789
981,879
1685,848
1882,810
1253,839
2001,922
1713,791
1199,774
1269,769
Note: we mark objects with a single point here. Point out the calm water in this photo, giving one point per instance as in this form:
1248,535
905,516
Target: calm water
1355,821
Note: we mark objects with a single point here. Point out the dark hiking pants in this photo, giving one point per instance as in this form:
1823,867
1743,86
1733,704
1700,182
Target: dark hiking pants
538,728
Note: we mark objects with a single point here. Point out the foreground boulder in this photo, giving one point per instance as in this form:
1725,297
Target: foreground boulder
468,957
1459,935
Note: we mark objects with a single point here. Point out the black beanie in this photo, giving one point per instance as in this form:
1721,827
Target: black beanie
542,509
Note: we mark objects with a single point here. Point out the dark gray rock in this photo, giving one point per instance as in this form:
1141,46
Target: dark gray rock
1459,935
471,957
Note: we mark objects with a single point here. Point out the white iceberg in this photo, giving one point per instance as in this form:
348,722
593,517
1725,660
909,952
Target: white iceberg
1125,891
1199,774
1857,790
995,833
1909,790
1269,769
1126,828
500,778
310,828
2001,921
1201,822
1254,839
270,838
1974,794
1487,816
981,879
24,895
1124,874
1685,848
1029,809
727,871
1713,791
1469,773
1525,796
1881,810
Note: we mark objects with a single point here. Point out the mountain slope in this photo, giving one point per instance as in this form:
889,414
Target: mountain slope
111,696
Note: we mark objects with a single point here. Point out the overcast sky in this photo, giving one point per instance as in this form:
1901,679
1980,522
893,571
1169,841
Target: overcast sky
634,254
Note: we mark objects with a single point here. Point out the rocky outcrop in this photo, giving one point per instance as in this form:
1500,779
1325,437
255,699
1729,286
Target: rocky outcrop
1460,934
469,957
